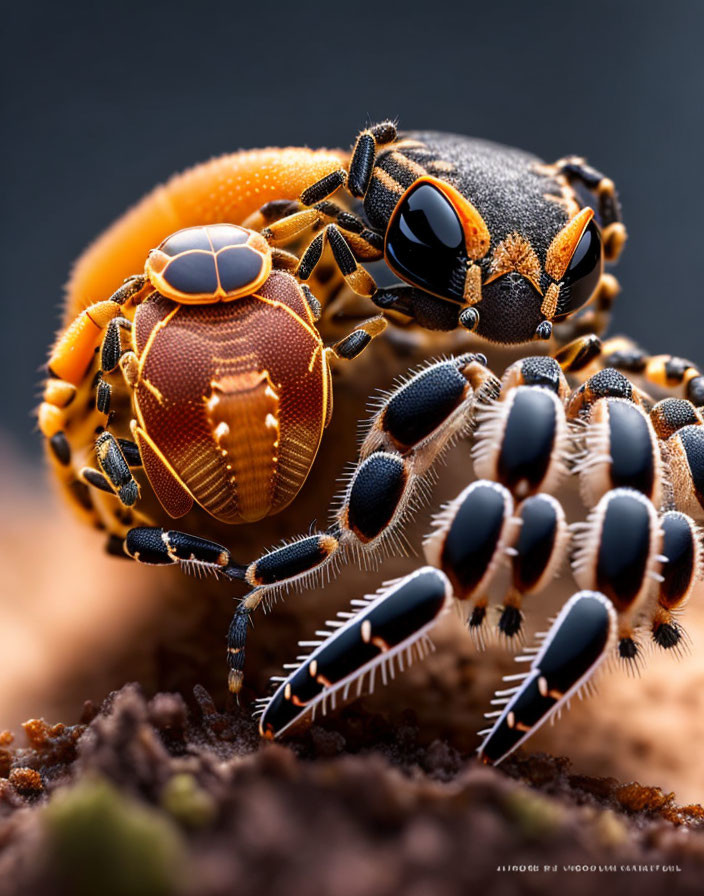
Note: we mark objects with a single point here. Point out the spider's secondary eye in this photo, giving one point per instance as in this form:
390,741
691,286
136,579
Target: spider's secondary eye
583,272
425,242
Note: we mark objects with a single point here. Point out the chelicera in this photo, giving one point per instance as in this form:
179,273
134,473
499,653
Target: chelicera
228,388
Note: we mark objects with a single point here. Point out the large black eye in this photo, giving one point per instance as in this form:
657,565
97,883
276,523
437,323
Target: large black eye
583,273
425,242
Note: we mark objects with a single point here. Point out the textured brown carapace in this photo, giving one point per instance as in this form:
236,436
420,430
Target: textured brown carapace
231,400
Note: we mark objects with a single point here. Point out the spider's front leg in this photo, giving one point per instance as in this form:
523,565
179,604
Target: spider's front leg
390,630
570,653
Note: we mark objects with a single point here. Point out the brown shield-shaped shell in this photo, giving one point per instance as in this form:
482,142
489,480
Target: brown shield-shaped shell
231,400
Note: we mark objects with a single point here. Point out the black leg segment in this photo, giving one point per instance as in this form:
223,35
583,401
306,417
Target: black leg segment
161,547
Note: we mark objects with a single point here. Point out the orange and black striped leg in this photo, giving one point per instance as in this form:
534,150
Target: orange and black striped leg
352,345
58,395
72,357
162,547
360,169
364,156
198,556
110,353
364,242
579,173
167,547
357,278
268,216
666,372
283,221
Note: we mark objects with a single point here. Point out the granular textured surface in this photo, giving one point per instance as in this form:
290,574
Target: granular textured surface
154,797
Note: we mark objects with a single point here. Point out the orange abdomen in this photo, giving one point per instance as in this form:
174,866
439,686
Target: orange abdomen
225,189
234,397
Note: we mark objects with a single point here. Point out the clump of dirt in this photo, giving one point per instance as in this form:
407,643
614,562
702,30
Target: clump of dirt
156,797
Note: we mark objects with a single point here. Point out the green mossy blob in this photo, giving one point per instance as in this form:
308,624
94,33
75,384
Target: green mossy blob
188,803
100,841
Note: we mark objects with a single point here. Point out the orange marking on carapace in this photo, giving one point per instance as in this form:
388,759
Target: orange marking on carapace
243,410
563,246
476,233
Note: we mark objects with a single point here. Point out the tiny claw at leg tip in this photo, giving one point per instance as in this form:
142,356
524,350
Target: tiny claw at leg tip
235,679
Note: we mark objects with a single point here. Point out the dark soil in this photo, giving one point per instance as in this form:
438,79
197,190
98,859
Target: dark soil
153,797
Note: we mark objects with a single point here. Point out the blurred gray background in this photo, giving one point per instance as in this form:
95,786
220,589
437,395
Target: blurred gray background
103,101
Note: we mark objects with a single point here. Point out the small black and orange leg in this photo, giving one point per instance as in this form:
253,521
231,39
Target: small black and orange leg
349,236
357,278
114,474
162,547
365,243
355,342
73,355
361,166
608,207
166,547
110,353
364,156
666,372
